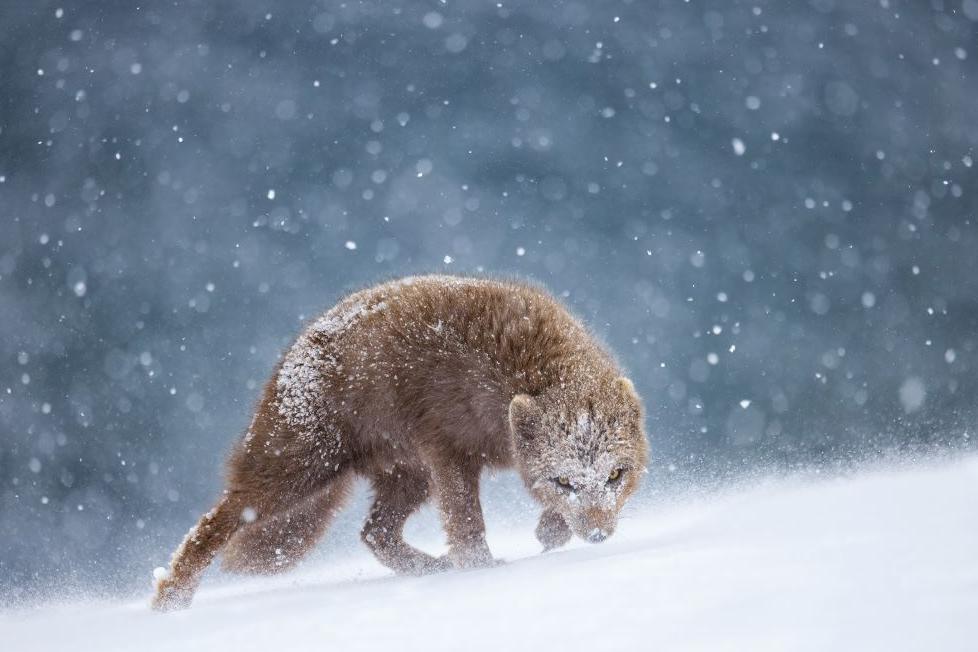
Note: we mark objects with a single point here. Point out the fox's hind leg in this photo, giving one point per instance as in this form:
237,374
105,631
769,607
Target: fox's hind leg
175,590
398,493
268,474
275,542
241,504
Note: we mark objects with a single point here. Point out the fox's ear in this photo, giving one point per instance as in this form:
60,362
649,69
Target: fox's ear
524,415
627,389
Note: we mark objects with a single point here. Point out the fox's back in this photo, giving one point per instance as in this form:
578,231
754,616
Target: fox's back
407,360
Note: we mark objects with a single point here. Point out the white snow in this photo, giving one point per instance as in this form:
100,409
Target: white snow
912,394
883,560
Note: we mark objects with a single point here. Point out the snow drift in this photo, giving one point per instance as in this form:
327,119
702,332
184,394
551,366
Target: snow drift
886,560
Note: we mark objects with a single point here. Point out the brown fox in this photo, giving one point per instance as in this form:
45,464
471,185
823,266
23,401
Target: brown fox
417,385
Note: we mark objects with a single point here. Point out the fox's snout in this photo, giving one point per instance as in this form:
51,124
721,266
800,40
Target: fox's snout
595,525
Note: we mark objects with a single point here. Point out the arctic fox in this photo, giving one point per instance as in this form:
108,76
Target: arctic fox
417,385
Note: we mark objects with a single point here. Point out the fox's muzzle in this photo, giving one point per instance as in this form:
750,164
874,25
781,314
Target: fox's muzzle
594,524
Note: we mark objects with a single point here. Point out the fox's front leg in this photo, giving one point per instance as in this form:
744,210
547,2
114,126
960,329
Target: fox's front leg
552,530
456,485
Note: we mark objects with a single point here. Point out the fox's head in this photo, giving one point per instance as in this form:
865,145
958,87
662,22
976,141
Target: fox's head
581,453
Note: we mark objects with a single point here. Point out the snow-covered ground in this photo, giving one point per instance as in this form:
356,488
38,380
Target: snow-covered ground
884,560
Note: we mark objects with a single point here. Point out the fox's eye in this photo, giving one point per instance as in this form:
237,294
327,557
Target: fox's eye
614,475
564,481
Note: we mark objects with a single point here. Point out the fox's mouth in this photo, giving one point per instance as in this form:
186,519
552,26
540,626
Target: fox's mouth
593,530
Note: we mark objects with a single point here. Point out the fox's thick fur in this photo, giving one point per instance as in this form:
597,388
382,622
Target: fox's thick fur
417,385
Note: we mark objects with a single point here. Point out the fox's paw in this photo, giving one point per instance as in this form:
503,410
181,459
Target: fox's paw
552,530
423,565
170,595
479,557
438,565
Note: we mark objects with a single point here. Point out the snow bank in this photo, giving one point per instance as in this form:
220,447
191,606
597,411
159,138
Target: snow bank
880,561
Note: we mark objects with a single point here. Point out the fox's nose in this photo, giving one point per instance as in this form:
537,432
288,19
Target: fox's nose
597,535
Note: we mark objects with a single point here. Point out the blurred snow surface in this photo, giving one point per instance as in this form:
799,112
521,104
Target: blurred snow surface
882,560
